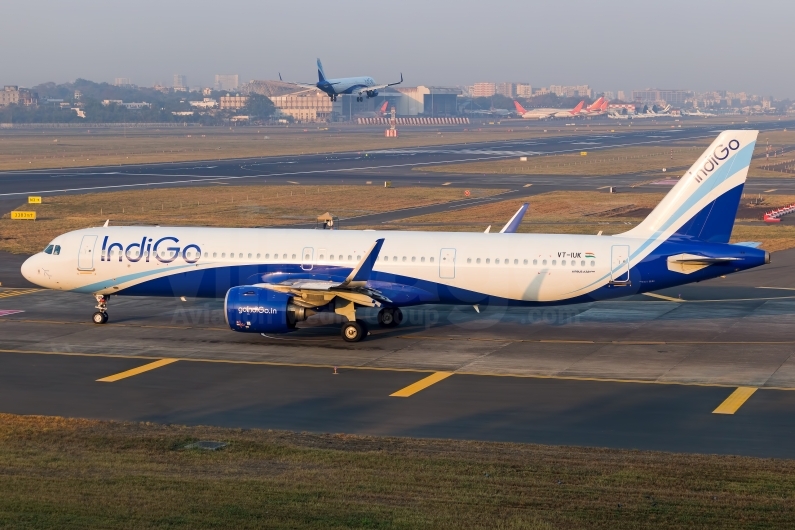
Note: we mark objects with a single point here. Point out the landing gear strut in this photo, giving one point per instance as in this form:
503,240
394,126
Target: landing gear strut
389,317
101,316
353,330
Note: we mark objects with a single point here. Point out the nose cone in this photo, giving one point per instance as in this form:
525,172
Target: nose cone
30,270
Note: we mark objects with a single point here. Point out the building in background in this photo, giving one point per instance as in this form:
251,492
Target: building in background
652,96
13,95
207,103
524,90
304,106
609,95
123,82
622,95
506,89
226,81
233,102
484,90
180,83
571,91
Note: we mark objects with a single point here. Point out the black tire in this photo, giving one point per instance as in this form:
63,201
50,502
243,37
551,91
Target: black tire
352,332
390,317
98,318
105,317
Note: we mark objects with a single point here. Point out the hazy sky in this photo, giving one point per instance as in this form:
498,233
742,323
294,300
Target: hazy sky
609,44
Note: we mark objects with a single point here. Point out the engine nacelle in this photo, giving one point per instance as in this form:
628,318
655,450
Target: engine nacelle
253,309
372,93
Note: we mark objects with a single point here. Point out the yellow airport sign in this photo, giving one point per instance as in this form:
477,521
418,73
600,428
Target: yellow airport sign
583,153
34,200
23,215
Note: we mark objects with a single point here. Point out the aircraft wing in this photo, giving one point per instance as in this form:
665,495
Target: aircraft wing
316,292
365,89
304,85
513,224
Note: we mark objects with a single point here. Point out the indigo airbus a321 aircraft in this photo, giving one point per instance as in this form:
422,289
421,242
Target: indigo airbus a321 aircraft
363,87
272,278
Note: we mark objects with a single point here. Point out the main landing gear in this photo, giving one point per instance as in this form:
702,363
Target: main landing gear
101,316
355,329
390,317
333,97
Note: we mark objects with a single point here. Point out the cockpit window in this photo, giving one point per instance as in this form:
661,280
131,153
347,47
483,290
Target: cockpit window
57,250
48,250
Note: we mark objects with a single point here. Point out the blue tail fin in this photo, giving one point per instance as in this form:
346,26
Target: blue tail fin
321,75
704,202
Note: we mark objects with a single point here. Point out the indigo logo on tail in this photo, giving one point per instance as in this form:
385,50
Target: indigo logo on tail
720,154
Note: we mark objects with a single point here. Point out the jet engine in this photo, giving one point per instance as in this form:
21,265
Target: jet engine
251,309
372,93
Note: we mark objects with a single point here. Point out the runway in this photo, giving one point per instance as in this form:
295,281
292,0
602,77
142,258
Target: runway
707,368
396,165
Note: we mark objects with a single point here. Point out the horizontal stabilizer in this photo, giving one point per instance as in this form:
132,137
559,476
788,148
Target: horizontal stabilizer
689,263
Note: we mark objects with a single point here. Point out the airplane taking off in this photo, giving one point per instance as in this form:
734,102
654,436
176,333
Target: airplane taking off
271,279
361,86
542,114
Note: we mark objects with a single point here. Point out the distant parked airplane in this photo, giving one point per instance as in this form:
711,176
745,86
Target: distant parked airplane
361,86
542,114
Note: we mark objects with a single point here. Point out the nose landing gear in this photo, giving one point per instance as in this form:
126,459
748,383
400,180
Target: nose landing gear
101,316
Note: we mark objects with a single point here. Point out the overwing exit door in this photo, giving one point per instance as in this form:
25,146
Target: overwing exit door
447,263
307,258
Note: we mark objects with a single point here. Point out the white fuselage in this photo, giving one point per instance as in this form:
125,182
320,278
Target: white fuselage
522,267
346,85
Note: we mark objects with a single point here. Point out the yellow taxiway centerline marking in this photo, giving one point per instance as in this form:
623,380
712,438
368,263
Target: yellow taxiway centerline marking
412,370
770,191
446,183
422,384
663,297
9,294
135,371
735,400
527,185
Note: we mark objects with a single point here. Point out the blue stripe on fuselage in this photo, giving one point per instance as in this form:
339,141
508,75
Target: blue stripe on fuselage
650,275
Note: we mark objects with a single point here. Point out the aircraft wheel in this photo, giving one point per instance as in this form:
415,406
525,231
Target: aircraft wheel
353,331
390,317
100,317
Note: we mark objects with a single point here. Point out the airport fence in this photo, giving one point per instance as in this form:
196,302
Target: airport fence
414,121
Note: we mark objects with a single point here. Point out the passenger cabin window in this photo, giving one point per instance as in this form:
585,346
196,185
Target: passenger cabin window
477,261
563,262
544,262
422,259
554,262
431,260
593,263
